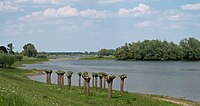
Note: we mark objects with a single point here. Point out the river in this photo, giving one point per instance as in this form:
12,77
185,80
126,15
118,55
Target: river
173,78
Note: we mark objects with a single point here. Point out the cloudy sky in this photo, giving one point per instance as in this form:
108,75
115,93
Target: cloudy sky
89,25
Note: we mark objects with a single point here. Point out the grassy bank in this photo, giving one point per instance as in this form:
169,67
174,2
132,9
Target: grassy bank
98,58
18,90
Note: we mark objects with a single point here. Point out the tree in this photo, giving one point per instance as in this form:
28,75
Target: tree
84,75
109,80
69,76
60,78
93,74
100,80
87,79
104,76
190,48
106,52
122,77
48,78
29,50
2,48
79,79
96,76
10,48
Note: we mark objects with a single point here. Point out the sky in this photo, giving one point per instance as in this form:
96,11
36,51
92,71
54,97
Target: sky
90,25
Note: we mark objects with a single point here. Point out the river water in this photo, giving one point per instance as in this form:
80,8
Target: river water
173,78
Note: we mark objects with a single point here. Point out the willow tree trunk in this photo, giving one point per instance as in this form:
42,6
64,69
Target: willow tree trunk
69,83
92,81
48,80
96,83
88,87
58,80
110,89
104,85
79,82
122,86
85,87
61,81
100,84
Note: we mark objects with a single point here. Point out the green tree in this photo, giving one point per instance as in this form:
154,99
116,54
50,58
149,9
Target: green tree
190,48
10,48
29,50
106,52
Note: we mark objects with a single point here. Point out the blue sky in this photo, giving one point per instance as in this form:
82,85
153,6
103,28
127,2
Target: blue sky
89,25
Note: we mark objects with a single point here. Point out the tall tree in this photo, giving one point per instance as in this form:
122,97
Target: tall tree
10,48
29,50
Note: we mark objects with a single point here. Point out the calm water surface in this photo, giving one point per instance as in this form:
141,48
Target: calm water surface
175,78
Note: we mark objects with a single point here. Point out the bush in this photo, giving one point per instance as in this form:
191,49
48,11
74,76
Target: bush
41,56
6,60
18,57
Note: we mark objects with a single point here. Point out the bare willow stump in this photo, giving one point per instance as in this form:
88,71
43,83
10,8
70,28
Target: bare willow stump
48,78
122,77
69,77
109,80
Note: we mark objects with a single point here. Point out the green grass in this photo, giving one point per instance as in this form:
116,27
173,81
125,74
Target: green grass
18,90
27,60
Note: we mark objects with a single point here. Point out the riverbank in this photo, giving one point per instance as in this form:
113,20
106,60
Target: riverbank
16,89
98,58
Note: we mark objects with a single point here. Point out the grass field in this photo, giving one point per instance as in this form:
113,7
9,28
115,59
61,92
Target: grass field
17,90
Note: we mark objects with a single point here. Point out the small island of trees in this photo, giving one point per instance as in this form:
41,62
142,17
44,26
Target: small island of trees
187,49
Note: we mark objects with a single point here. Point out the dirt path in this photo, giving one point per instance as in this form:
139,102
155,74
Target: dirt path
178,101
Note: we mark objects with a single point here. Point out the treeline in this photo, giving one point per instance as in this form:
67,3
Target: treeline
187,49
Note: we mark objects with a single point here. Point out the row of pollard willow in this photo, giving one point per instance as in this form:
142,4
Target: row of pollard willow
107,78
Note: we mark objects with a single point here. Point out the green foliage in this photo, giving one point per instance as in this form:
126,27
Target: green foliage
10,48
29,50
104,74
188,49
69,73
79,73
123,76
85,74
110,77
48,71
100,74
95,74
106,52
41,56
18,57
6,60
60,72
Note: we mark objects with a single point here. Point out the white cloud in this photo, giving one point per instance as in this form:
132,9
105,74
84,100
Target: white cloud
65,11
40,1
94,13
7,6
139,10
144,24
176,26
191,6
176,17
109,1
